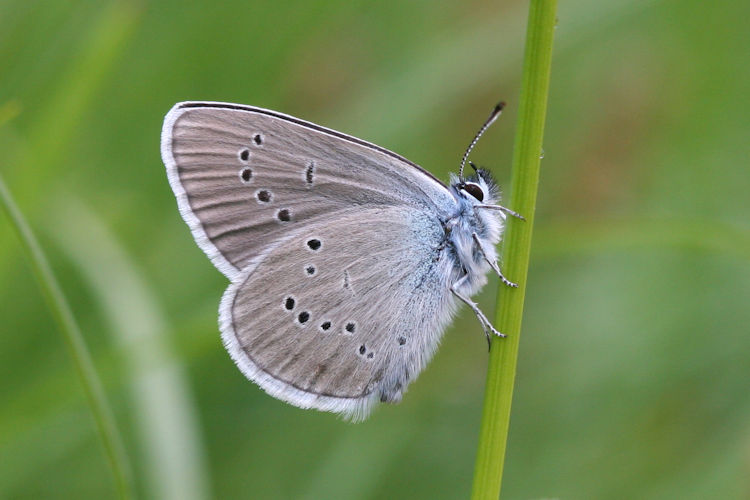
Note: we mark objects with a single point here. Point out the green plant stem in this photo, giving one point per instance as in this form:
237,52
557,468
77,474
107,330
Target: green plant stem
527,151
60,309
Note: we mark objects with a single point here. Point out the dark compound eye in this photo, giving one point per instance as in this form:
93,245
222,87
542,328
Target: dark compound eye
475,190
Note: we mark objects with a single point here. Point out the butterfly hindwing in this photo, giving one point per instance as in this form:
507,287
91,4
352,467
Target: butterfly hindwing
245,177
334,315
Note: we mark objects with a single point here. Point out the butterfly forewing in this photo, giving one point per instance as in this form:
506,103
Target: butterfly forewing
245,177
333,315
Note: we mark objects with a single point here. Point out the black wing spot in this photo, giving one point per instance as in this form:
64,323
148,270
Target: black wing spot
310,270
310,172
325,326
370,355
244,154
258,139
264,196
350,327
362,349
401,340
303,317
246,175
314,244
284,215
289,303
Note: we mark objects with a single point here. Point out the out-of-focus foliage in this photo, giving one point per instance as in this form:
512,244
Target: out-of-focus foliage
634,372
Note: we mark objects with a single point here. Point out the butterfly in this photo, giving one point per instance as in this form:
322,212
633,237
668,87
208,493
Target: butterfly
346,261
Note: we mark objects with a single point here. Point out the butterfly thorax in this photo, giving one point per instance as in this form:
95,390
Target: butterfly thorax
470,227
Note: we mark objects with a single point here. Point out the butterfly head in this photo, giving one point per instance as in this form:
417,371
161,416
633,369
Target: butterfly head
478,189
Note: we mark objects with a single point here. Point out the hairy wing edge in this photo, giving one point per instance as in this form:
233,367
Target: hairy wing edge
199,234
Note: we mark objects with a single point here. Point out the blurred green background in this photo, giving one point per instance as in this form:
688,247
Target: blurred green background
634,370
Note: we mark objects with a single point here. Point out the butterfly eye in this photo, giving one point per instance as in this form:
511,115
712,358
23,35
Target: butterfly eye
475,190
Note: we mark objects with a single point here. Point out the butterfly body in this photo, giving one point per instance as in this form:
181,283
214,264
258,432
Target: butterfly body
346,261
466,222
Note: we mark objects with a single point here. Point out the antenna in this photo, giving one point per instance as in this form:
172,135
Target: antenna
493,116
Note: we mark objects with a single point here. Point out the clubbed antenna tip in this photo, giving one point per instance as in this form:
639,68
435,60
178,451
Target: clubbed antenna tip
493,116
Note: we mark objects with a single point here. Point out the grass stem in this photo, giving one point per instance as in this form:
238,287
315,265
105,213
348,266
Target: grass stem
105,422
527,154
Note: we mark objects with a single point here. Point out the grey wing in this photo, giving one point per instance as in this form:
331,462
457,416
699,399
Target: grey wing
340,315
245,176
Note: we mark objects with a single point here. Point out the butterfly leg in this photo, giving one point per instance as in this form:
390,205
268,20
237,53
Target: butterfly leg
486,325
503,211
492,263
